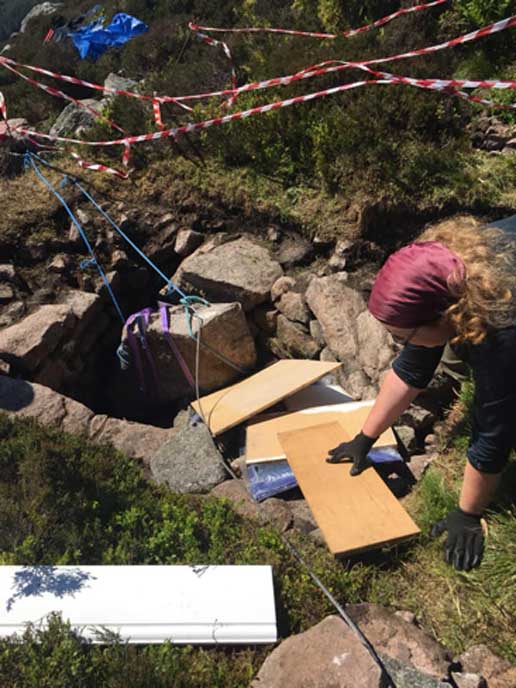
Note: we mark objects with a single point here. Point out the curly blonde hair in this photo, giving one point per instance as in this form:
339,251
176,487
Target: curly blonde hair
485,295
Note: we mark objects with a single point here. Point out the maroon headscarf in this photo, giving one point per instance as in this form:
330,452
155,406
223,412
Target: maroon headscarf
412,287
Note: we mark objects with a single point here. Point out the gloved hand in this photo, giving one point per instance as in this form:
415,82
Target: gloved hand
356,451
464,545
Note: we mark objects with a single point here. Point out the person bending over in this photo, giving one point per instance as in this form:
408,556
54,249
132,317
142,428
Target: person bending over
454,287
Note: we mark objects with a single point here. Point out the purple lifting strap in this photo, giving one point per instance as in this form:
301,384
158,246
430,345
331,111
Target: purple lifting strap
142,318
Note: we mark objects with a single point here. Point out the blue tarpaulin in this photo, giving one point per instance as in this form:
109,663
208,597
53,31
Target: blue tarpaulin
93,40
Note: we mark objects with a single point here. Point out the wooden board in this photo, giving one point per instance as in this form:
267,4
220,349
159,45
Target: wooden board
262,442
228,407
144,604
354,513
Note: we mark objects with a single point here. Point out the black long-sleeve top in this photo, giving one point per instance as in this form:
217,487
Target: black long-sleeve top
493,364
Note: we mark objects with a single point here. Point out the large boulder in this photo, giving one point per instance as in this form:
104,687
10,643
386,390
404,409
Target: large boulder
24,399
395,637
329,655
351,333
28,343
236,270
189,462
223,328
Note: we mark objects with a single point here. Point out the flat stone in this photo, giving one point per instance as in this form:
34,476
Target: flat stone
189,462
419,464
406,676
294,340
328,655
30,341
469,680
238,270
498,672
316,332
293,306
281,286
294,250
394,637
187,241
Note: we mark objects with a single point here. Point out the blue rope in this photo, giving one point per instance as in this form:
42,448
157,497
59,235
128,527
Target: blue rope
171,286
29,159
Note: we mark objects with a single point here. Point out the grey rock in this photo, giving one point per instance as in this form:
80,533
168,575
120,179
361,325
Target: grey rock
407,436
316,332
419,464
238,270
281,286
498,672
266,319
189,462
76,118
327,355
304,520
59,264
7,272
119,83
187,241
12,314
44,9
29,342
6,293
406,676
293,250
294,340
293,306
328,655
407,616
394,637
469,680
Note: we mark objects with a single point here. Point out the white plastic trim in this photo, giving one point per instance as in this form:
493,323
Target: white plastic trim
144,604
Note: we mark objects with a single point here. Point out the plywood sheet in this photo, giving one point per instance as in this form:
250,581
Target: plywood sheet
354,513
262,438
228,407
144,604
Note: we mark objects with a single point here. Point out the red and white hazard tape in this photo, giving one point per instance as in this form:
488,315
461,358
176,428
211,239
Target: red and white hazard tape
448,86
97,167
315,34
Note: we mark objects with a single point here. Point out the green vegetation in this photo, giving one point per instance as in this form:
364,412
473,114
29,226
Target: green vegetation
379,143
64,501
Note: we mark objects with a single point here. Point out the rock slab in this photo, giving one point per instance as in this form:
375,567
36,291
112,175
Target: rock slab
329,655
239,270
189,462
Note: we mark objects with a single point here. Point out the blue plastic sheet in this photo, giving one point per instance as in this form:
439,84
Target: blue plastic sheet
94,39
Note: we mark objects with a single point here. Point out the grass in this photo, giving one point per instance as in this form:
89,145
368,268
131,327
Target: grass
64,501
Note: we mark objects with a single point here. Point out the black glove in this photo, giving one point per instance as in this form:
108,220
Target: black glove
356,451
464,545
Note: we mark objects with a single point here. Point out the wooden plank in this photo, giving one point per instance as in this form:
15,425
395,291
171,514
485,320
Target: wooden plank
228,407
262,442
144,604
354,513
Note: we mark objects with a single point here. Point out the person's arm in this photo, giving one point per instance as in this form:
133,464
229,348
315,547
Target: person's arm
478,490
394,398
411,373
